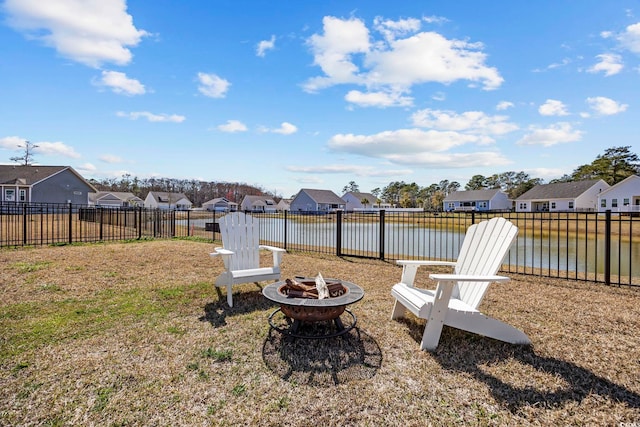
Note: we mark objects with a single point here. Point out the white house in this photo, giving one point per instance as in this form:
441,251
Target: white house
258,204
316,201
477,200
168,201
115,199
220,204
621,197
574,196
354,201
283,205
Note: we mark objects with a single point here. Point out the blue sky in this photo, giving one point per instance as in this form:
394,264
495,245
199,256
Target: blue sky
315,94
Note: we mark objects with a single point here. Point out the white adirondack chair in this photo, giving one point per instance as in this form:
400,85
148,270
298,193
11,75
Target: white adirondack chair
241,253
456,299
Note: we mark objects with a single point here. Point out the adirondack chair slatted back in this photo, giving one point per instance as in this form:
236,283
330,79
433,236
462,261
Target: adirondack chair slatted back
240,234
484,247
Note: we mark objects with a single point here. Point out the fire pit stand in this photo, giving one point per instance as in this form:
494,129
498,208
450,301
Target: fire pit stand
301,311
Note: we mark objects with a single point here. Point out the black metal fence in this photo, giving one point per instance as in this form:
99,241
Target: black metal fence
582,246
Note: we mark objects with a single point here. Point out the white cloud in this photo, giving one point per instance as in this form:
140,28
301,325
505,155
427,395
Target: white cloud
348,54
378,99
504,105
393,29
232,126
120,83
12,142
286,129
610,64
403,142
55,148
42,147
553,107
630,38
212,85
91,32
605,106
86,168
110,158
265,45
348,169
135,115
475,122
558,133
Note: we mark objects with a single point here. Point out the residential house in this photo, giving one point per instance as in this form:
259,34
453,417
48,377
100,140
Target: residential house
477,200
43,184
258,204
283,205
621,197
359,201
574,196
115,199
167,201
317,201
220,204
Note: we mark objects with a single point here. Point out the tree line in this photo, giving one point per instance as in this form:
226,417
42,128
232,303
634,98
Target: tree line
614,165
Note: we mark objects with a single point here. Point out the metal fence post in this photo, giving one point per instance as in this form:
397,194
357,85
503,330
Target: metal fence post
285,230
607,248
24,225
339,233
101,222
382,235
70,223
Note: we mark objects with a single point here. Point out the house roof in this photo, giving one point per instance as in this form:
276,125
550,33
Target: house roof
165,197
33,174
323,196
558,190
258,201
121,195
471,195
622,183
370,197
219,200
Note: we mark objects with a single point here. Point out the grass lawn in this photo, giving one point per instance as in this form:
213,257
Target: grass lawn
136,334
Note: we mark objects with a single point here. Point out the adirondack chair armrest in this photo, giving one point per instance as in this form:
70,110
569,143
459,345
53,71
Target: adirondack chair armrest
466,278
410,268
225,254
277,253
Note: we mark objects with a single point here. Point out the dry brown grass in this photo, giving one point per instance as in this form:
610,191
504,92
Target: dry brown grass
135,334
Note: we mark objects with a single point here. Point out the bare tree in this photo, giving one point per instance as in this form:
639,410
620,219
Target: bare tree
27,158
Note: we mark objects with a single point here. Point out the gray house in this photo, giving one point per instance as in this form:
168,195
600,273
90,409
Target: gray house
316,201
43,184
575,196
477,200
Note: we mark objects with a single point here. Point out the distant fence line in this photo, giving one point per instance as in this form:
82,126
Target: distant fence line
592,247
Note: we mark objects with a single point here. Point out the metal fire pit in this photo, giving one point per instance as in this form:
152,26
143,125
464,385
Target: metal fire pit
299,311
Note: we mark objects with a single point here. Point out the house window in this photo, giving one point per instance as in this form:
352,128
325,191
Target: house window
482,204
553,205
614,203
10,195
625,202
570,205
22,195
603,203
523,206
452,205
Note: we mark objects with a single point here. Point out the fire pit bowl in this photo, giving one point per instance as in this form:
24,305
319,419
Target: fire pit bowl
302,310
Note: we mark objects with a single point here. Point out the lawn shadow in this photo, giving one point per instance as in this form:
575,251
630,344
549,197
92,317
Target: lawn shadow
244,302
476,355
352,356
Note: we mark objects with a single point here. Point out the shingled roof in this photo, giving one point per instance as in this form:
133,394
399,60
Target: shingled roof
324,196
33,174
559,190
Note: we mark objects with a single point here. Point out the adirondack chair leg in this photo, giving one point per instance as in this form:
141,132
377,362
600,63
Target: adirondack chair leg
432,331
399,311
229,295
